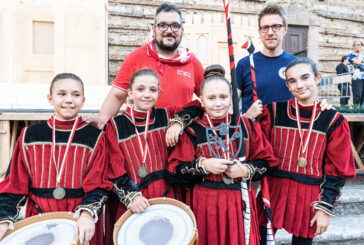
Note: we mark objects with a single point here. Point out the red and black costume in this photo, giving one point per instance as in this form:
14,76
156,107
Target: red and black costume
32,173
218,207
125,159
294,189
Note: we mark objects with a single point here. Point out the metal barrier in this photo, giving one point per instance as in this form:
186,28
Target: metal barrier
336,89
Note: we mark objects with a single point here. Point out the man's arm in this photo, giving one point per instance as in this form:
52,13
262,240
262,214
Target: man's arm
112,103
109,108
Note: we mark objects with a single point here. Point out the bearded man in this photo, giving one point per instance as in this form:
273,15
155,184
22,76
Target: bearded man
179,71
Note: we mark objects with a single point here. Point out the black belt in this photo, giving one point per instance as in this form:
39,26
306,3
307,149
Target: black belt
151,177
298,177
219,185
48,192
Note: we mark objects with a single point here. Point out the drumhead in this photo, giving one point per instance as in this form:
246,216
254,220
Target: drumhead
51,228
159,224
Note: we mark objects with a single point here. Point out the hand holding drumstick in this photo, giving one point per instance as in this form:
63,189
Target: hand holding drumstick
85,228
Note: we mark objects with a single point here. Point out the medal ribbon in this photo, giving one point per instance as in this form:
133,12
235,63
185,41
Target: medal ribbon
304,142
145,150
226,155
70,138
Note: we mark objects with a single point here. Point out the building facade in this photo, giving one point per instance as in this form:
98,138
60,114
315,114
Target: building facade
40,38
323,29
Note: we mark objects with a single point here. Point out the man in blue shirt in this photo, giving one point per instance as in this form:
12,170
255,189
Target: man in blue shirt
270,64
356,60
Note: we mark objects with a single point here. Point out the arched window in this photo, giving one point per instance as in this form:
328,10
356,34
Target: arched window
202,49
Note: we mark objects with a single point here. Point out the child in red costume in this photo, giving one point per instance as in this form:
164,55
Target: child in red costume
313,148
221,194
137,151
58,165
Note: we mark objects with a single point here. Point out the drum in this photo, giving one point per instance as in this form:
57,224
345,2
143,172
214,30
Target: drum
166,222
57,228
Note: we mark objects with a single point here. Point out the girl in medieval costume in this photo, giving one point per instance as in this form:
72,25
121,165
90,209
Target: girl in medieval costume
206,156
313,148
137,150
58,165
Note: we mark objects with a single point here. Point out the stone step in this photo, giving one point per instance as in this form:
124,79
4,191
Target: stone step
352,201
343,230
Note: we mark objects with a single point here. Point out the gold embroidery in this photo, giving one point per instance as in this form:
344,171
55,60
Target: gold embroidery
35,166
285,149
74,164
292,148
94,206
41,173
131,161
83,162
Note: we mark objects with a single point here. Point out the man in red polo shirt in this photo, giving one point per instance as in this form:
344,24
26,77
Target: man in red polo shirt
179,71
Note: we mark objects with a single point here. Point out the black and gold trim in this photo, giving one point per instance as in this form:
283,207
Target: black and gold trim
257,169
94,200
10,206
330,192
126,189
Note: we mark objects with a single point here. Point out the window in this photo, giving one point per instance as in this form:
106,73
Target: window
43,37
202,49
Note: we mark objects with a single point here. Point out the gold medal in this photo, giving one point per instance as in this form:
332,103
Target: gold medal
142,172
302,162
227,180
59,193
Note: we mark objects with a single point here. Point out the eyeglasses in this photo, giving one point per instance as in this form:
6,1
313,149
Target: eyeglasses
164,26
275,28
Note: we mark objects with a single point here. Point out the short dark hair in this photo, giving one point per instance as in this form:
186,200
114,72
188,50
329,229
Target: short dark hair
214,72
62,76
142,72
344,58
303,60
272,9
165,7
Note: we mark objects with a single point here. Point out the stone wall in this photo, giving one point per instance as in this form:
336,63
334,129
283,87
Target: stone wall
333,25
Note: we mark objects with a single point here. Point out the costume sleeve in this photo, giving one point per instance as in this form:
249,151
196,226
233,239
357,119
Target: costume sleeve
266,120
183,168
198,69
15,187
338,165
95,184
260,156
187,114
115,156
125,72
122,184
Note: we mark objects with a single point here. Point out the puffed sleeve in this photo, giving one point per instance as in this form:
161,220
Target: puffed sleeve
183,168
260,156
339,165
15,187
95,184
122,184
